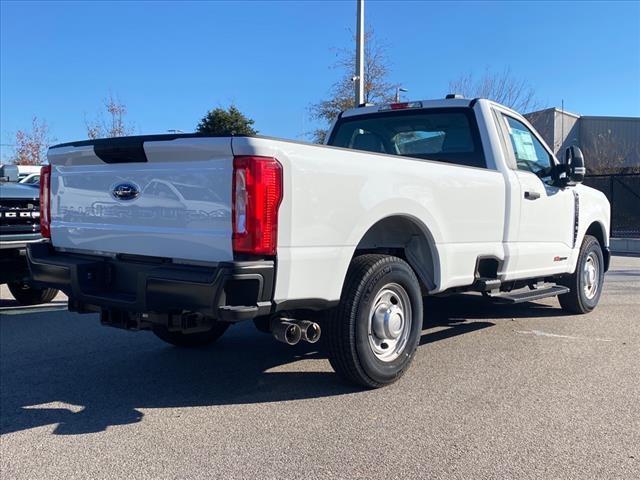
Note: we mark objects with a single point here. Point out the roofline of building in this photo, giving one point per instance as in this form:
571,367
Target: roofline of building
555,109
610,117
589,117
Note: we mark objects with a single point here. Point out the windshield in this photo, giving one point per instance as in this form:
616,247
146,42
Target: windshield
31,179
446,135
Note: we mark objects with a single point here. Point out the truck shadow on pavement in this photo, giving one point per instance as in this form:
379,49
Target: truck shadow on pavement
66,370
459,314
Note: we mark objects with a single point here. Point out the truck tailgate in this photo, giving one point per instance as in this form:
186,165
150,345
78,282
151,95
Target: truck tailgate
144,196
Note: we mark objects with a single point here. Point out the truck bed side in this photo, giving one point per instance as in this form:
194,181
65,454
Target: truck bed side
333,196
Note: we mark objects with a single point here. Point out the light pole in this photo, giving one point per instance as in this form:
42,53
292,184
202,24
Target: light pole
398,90
359,73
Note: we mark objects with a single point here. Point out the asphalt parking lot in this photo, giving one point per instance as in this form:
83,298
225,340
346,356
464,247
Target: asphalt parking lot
494,392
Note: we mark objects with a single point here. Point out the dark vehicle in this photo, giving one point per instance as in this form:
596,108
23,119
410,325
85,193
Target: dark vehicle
19,226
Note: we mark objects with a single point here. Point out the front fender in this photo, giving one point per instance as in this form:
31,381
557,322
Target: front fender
594,207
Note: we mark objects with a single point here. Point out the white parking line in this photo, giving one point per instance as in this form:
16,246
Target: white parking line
540,333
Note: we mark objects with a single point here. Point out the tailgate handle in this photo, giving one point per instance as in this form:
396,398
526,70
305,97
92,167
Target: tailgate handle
531,195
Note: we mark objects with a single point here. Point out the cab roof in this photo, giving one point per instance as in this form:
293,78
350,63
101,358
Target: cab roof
438,103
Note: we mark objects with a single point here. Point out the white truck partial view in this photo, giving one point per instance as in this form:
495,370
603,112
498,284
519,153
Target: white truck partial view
187,234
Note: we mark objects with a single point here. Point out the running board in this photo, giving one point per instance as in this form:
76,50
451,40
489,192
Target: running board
530,295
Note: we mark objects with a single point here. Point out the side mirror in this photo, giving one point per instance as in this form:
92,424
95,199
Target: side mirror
9,173
574,165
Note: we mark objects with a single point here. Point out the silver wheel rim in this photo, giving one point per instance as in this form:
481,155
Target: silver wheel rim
390,322
591,276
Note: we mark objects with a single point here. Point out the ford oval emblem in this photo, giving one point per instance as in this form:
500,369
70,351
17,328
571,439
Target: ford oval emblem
125,191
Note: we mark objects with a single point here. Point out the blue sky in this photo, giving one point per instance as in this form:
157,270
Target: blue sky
170,62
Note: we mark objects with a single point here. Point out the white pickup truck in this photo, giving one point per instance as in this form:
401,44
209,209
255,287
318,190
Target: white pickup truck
187,234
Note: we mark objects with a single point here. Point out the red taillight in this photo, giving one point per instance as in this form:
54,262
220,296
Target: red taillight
257,192
45,201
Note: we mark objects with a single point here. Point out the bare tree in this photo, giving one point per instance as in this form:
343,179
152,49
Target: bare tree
377,87
501,87
608,153
31,145
114,125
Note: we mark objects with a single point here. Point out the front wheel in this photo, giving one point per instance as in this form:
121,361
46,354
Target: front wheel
374,332
26,294
197,339
585,283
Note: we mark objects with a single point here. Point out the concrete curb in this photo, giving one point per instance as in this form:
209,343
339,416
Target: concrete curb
625,245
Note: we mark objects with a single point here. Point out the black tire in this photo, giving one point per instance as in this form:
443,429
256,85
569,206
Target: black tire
350,351
26,294
191,340
577,300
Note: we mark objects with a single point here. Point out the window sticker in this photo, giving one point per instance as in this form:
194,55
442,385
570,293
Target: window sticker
523,143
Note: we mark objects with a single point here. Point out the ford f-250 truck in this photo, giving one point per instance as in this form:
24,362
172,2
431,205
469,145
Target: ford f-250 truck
187,234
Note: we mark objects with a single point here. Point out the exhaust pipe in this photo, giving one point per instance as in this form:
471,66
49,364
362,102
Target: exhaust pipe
310,330
285,331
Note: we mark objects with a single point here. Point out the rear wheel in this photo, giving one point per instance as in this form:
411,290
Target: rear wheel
374,332
585,283
198,339
26,294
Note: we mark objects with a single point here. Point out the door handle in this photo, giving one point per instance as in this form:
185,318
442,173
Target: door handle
531,195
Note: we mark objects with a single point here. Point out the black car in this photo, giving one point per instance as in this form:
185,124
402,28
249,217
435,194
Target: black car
19,226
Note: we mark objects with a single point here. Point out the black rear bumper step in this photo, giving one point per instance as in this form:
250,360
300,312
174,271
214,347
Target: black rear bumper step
229,313
229,291
486,284
530,295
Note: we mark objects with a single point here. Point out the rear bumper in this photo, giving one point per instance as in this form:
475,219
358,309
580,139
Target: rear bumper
229,291
12,242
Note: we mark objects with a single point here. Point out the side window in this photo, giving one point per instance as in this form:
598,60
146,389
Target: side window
530,155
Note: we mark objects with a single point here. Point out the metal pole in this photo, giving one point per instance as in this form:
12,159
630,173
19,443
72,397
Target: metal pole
398,90
359,75
562,142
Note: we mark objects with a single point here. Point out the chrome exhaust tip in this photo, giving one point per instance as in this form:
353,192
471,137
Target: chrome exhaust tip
285,331
310,331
